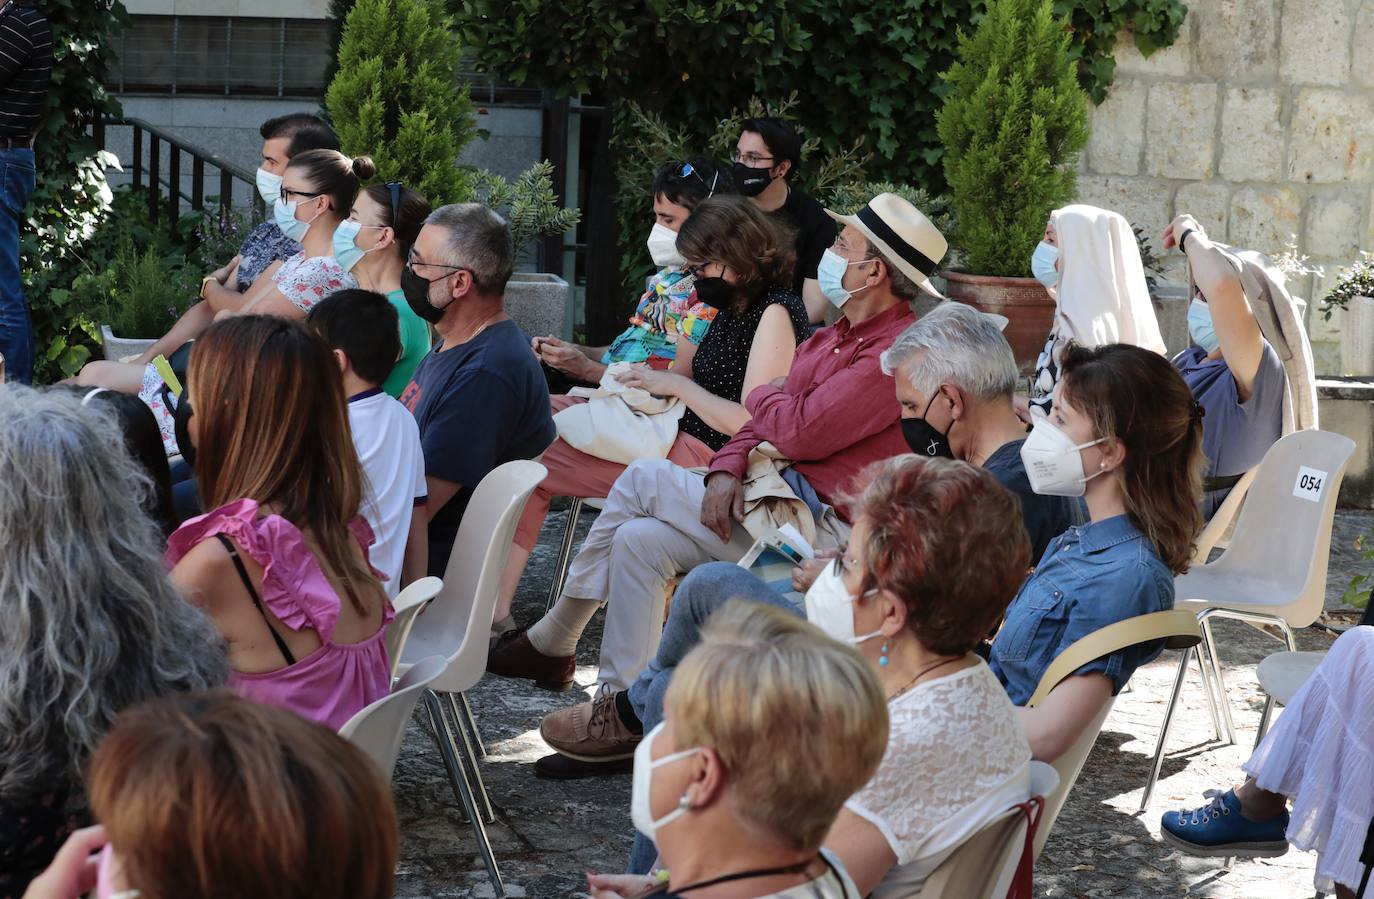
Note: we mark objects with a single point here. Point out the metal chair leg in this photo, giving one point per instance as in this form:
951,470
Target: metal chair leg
1209,691
560,568
449,750
472,726
1164,728
1222,696
1264,720
456,711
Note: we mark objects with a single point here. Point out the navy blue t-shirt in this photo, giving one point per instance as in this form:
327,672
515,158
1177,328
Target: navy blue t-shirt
1046,516
479,405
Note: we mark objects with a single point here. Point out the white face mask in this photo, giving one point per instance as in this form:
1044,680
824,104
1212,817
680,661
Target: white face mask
663,247
1052,461
269,186
641,812
830,607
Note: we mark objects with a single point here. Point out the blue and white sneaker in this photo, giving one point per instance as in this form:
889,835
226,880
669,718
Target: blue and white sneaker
1218,829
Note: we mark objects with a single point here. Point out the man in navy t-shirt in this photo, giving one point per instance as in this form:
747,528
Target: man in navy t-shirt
479,396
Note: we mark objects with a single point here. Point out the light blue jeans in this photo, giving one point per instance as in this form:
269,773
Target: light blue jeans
705,589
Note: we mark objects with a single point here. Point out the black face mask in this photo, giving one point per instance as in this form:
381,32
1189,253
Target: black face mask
416,290
924,439
715,292
749,181
181,419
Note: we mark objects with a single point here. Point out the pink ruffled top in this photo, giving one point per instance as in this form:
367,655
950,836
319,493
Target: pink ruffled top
335,681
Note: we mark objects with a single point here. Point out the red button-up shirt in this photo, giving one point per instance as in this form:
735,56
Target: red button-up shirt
836,412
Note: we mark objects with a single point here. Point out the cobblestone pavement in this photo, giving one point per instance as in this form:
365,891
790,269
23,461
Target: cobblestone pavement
547,833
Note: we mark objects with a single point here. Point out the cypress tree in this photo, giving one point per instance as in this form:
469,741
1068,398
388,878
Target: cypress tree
1012,125
396,97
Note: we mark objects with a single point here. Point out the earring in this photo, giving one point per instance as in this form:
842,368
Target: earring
684,803
882,655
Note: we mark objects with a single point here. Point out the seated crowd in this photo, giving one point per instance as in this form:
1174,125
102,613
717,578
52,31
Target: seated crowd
168,663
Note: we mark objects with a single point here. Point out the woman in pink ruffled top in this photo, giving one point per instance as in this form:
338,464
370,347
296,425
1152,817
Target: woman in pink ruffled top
280,563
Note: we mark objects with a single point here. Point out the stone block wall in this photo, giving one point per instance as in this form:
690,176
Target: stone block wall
1259,121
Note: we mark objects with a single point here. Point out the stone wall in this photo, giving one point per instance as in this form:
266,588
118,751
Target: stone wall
1259,121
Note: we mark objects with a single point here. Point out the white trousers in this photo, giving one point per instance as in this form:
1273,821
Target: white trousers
649,532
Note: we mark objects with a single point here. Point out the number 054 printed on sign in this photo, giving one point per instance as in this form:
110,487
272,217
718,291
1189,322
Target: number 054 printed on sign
1309,484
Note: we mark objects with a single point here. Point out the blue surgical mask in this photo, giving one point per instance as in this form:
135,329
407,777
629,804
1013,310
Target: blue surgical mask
1200,326
1042,264
830,276
346,252
285,216
269,185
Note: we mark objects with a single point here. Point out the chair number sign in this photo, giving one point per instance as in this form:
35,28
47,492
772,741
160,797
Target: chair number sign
1309,484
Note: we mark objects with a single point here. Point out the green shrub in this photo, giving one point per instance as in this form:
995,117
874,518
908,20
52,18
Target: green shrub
145,291
528,204
1012,125
396,97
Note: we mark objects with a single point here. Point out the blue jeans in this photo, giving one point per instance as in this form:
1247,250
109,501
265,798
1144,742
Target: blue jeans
16,331
705,589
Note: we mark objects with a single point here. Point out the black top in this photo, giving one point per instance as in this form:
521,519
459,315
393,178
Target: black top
723,355
479,405
1046,517
32,832
814,229
25,67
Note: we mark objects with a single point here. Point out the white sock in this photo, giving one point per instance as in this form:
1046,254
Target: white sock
557,633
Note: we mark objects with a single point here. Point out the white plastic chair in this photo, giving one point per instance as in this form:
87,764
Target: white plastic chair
1222,519
457,626
1274,571
1177,628
407,606
565,546
984,865
379,728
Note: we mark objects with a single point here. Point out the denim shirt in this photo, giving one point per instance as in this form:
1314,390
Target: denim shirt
1091,575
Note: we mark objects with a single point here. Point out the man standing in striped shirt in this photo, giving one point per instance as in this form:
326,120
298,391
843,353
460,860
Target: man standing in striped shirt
25,71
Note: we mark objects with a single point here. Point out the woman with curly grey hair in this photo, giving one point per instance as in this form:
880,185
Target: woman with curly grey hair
92,624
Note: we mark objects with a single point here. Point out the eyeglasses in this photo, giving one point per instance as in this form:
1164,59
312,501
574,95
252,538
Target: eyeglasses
287,193
687,170
750,159
696,270
411,263
843,249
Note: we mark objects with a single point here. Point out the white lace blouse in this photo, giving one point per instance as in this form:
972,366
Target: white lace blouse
956,758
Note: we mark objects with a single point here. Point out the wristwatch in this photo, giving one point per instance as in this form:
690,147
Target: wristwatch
203,281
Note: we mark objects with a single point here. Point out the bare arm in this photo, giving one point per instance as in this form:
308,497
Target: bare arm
1238,333
272,302
682,361
862,848
415,561
816,303
770,357
1054,725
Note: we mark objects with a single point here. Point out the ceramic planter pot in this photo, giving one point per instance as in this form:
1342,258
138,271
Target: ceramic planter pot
541,304
1357,337
1024,302
117,348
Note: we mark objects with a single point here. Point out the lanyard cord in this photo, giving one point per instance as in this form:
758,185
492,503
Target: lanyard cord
798,868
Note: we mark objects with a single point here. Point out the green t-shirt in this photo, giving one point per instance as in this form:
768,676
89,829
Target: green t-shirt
415,343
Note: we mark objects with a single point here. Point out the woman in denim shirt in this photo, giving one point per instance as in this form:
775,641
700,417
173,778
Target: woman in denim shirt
1126,435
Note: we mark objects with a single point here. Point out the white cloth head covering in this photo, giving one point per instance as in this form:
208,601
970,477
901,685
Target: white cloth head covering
1102,296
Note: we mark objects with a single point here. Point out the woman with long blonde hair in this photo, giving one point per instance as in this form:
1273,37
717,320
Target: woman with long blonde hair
280,562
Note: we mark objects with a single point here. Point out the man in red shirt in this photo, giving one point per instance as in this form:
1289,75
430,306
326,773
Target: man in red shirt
832,415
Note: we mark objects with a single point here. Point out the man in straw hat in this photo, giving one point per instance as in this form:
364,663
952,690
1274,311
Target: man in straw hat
832,415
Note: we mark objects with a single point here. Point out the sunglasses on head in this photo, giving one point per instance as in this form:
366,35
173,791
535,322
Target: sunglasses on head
687,170
395,188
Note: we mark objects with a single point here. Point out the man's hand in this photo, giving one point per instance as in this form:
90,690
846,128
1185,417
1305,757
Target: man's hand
723,504
1177,227
805,574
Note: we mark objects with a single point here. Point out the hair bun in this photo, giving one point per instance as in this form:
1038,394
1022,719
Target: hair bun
364,168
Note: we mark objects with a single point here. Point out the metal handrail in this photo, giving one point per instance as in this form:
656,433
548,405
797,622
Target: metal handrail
228,171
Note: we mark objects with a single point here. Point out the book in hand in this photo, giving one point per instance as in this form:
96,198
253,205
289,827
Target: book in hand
774,555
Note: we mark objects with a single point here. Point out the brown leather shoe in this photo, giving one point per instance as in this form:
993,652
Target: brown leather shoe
590,731
515,656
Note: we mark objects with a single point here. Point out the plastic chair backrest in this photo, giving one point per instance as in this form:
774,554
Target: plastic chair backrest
378,729
457,624
1223,518
1178,628
1278,555
407,606
984,865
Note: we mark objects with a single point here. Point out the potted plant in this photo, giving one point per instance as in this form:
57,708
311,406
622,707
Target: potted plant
539,302
1354,293
142,295
1012,125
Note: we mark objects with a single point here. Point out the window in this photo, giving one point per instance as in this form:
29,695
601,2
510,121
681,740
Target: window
221,55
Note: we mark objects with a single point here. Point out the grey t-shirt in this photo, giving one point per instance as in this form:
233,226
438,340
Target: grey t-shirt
1235,435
